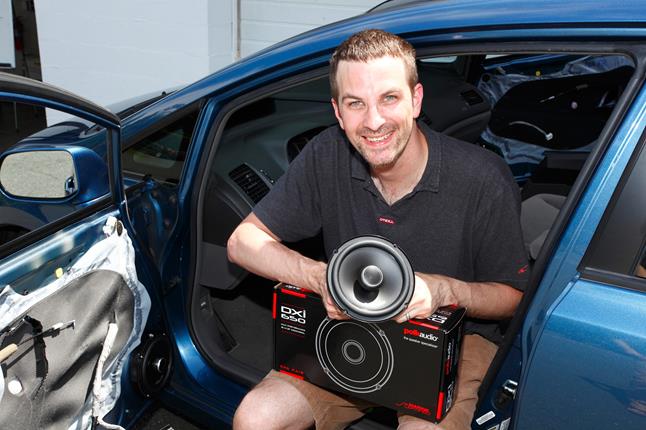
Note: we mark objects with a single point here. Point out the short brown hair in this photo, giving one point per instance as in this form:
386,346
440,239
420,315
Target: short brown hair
369,45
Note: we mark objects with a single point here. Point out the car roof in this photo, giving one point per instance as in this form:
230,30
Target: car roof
409,18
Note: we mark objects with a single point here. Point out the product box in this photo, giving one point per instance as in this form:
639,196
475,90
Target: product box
410,367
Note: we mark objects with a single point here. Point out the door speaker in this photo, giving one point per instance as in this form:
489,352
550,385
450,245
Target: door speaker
370,279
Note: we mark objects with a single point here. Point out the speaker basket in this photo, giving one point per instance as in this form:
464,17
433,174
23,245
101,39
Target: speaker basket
370,279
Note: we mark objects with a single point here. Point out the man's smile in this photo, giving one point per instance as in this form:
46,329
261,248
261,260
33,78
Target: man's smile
380,139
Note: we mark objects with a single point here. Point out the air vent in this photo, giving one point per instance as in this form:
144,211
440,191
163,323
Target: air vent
250,182
471,97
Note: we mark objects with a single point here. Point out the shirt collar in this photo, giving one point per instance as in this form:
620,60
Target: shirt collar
430,180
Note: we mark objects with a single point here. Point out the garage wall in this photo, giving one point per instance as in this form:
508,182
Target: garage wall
265,22
108,51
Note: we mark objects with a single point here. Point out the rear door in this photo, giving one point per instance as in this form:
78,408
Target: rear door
71,307
578,360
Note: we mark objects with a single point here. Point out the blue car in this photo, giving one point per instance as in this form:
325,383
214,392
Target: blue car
120,305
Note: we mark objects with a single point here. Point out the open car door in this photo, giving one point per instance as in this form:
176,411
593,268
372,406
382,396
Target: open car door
71,307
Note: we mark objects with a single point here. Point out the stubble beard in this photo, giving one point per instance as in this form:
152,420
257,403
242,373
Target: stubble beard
401,141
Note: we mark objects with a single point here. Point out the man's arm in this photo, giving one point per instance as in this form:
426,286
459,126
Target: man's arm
486,300
254,247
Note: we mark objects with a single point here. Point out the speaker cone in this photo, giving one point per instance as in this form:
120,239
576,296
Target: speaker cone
370,279
357,357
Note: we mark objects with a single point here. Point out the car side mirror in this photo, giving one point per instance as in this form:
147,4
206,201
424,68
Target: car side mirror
48,173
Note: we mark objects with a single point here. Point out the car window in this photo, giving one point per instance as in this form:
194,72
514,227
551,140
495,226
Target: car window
46,173
162,153
619,245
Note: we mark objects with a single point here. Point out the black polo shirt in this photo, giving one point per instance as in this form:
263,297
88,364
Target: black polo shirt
461,220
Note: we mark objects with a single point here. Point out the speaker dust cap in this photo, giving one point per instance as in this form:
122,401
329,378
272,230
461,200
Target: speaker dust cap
370,279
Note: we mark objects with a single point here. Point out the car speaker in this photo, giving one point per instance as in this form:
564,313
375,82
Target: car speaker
151,364
370,279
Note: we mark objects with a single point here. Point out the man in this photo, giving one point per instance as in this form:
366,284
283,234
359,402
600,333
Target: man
451,206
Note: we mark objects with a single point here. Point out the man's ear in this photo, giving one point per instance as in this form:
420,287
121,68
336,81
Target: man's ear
337,113
418,95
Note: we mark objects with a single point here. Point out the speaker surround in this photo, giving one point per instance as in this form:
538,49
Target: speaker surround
370,279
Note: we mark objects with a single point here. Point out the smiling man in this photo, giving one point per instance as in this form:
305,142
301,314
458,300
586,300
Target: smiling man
451,206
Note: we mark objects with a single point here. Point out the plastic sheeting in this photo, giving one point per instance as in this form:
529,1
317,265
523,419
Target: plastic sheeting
114,255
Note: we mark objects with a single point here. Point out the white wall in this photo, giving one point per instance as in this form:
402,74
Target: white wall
265,22
107,51
7,56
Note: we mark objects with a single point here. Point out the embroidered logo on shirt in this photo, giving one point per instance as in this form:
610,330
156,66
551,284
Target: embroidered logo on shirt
386,220
523,269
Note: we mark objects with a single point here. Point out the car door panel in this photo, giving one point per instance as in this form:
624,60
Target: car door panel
565,342
589,357
72,309
99,289
577,332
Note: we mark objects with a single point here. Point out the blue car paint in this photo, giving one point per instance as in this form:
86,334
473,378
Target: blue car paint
198,387
605,325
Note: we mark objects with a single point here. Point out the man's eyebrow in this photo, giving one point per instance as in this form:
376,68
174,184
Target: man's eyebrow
349,96
393,90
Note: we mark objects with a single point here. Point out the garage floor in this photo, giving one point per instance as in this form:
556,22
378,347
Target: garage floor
163,419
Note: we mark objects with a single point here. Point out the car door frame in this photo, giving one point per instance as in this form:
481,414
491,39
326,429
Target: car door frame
19,89
559,262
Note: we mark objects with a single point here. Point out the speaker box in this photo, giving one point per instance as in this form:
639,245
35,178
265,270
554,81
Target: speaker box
410,367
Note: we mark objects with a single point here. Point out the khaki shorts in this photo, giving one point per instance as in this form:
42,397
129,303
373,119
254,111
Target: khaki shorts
334,411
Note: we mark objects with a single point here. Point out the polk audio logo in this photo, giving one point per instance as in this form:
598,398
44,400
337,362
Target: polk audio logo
417,333
291,314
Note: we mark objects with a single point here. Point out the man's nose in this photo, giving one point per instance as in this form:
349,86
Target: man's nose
373,118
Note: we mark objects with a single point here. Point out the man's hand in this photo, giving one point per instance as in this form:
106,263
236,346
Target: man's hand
431,292
318,284
486,300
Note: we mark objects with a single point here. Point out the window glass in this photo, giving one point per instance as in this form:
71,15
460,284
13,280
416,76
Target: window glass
440,60
161,154
619,244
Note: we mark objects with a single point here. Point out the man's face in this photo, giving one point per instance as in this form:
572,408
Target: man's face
377,108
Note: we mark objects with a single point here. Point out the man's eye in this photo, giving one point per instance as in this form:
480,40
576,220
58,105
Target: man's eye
390,98
355,104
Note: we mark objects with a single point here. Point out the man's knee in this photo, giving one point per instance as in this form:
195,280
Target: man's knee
407,422
273,405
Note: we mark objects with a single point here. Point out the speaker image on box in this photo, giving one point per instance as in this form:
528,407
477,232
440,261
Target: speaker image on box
410,367
357,357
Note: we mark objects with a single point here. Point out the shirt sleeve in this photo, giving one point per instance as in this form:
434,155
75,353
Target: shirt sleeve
291,209
500,252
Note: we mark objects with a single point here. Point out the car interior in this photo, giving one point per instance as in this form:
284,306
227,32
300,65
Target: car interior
541,112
